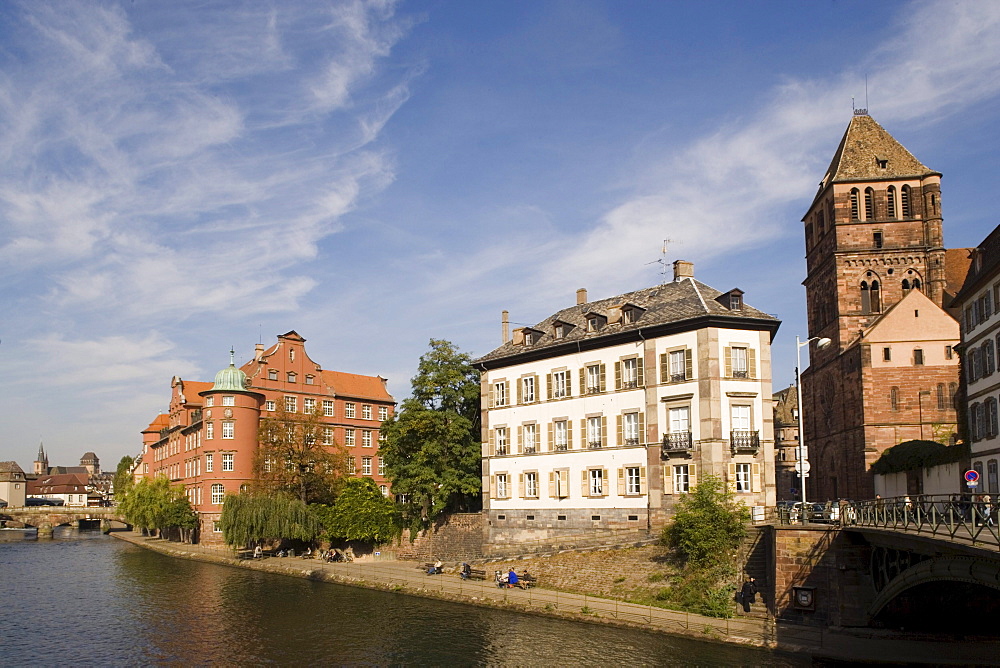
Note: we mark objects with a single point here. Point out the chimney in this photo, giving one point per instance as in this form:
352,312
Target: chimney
258,350
581,296
504,326
683,269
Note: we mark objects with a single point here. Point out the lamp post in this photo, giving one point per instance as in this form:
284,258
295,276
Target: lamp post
821,342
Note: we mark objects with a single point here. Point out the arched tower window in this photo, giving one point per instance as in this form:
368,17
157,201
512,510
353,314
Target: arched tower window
855,204
890,202
916,283
876,298
942,396
894,398
869,204
866,298
906,286
904,198
953,394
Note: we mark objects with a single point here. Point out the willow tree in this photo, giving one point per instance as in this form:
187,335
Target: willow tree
432,446
298,456
249,519
123,480
153,503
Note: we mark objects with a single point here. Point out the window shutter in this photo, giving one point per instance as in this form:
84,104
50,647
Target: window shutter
621,482
604,482
668,479
492,398
664,368
752,362
538,388
583,434
584,487
692,476
643,488
506,393
548,385
564,484
729,362
569,434
642,428
552,437
520,484
520,439
583,379
640,371
618,375
493,487
493,442
755,480
603,384
552,484
732,475
688,364
520,390
604,431
569,384
621,432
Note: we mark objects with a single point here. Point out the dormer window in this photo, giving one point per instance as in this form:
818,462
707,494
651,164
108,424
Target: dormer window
529,338
559,330
732,300
631,314
595,321
883,163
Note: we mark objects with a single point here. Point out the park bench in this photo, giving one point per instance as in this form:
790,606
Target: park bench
428,566
526,581
475,574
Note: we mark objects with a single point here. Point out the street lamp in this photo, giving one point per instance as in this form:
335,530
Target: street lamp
821,342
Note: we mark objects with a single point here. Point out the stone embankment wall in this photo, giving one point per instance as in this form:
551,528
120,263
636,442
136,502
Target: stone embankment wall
457,537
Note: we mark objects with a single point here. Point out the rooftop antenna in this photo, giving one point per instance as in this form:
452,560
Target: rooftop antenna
664,265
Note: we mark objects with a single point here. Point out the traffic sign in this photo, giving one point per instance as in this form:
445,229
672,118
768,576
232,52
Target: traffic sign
972,476
803,466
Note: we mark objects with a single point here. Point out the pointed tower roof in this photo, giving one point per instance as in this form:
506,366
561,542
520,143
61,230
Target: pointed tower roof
868,152
41,452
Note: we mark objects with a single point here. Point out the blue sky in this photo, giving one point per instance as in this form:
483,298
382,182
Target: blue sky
178,178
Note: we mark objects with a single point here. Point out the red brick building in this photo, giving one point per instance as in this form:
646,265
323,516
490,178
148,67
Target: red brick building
878,281
207,441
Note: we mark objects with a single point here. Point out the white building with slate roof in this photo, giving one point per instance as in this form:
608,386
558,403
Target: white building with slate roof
603,415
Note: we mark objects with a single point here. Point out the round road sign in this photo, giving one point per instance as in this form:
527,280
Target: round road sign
972,476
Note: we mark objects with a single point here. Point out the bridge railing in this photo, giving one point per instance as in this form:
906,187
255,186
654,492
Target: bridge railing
966,518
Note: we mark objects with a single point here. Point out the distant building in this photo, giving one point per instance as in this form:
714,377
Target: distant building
786,443
605,414
13,484
208,439
41,464
879,279
72,488
979,303
90,462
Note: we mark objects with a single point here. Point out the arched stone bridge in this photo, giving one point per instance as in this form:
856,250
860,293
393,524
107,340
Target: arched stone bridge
921,563
46,518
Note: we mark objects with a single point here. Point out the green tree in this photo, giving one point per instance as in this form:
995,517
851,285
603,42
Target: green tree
155,504
292,458
248,519
123,480
708,527
361,512
432,445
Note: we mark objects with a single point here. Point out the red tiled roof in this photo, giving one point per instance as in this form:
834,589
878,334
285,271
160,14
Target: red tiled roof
159,422
356,385
62,483
193,387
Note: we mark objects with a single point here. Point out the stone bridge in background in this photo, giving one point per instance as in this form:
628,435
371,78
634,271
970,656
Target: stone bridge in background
46,518
922,564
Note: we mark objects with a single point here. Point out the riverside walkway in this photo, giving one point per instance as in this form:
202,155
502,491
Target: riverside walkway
409,578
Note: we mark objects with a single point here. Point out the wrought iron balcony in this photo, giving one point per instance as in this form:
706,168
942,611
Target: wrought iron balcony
630,384
677,441
594,445
742,440
678,377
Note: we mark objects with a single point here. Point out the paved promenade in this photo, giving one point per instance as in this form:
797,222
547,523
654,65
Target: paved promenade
406,577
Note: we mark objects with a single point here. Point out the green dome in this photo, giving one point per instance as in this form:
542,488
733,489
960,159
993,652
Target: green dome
230,379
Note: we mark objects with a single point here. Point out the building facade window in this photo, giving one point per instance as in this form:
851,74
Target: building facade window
349,410
869,204
227,461
630,429
560,435
595,432
228,429
209,431
531,484
529,438
499,394
629,374
228,400
743,478
596,481
291,404
633,480
594,378
272,374
383,413
991,476
500,434
218,494
528,390
381,466
894,398
366,466
502,491
739,416
352,466
890,202
327,435
918,357
328,407
270,405
682,479
366,412
349,437
559,385
855,204
309,405
366,439
904,201
291,376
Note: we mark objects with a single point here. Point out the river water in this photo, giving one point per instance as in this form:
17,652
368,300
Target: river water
85,599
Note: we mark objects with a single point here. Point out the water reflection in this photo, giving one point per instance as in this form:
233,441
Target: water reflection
102,601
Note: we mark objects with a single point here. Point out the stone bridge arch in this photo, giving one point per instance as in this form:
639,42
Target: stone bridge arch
968,570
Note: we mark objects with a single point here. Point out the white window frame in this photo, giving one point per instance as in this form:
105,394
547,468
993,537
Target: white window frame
500,394
595,482
349,437
502,488
744,478
630,373
633,480
630,429
531,484
593,376
383,413
366,438
741,361
349,409
560,435
228,400
502,443
529,435
228,429
308,405
366,466
740,417
209,430
218,494
528,389
209,402
291,404
366,412
270,405
678,365
559,384
594,432
381,466
682,478
227,461
327,435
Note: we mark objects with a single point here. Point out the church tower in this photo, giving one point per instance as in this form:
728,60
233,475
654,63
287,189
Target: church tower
41,461
873,235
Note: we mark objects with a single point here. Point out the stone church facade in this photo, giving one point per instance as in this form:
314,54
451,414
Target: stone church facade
878,283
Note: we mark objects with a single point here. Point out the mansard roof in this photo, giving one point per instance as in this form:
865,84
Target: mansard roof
983,265
866,146
681,305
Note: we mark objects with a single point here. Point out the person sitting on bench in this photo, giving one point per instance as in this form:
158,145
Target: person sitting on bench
466,571
511,578
257,552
